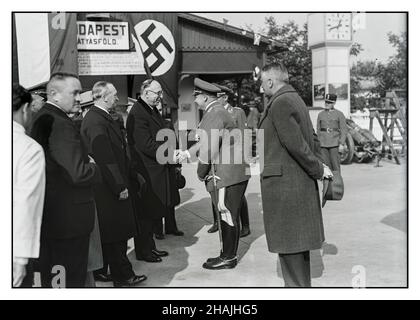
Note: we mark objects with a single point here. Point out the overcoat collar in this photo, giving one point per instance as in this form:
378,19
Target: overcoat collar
107,116
57,111
285,89
156,117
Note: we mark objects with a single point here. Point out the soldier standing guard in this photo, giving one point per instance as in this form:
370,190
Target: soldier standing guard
231,176
332,132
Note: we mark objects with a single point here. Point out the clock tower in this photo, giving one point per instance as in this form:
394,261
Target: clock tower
330,36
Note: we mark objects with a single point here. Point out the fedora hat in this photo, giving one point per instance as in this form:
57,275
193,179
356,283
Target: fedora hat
333,189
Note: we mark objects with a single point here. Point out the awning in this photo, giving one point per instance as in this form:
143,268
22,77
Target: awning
200,62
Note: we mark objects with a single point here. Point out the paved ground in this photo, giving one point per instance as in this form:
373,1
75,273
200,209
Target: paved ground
366,234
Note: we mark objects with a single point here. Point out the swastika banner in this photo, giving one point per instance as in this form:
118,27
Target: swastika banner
154,37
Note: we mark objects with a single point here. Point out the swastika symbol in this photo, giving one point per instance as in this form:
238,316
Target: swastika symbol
152,47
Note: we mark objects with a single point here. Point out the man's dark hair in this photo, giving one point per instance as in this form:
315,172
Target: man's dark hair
20,96
280,68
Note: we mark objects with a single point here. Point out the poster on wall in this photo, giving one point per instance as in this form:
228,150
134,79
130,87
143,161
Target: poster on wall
109,63
339,89
319,92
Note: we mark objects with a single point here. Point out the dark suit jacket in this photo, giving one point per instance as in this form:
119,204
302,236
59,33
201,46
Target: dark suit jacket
103,139
69,207
143,125
292,211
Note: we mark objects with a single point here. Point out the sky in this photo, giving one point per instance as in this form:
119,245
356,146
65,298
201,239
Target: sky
373,39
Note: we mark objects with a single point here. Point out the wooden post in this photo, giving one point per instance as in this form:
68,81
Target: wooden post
371,118
386,137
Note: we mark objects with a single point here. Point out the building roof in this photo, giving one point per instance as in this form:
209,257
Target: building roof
273,45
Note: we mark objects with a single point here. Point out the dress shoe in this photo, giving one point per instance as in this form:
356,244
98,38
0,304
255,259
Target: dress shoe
220,263
177,233
245,232
149,258
130,282
100,277
214,228
158,253
159,236
213,259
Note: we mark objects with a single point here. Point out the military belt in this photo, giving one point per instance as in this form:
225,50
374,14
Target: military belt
329,130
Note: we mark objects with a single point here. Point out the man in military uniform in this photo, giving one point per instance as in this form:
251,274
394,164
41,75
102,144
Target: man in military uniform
230,176
239,117
332,132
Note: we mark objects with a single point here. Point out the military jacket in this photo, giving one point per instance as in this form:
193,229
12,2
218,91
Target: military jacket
221,145
331,128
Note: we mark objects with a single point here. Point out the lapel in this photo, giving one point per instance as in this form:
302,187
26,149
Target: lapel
156,117
113,123
286,88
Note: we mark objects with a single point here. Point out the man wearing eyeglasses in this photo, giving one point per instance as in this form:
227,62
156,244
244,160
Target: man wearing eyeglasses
143,125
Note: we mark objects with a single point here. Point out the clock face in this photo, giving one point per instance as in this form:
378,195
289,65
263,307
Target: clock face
338,26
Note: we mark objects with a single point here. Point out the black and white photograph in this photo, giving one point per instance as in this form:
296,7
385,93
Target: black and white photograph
339,89
208,150
319,92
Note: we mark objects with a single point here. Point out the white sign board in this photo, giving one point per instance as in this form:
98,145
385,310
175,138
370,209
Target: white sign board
109,63
104,35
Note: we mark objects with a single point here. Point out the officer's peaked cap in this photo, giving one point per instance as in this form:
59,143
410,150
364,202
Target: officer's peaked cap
205,87
330,97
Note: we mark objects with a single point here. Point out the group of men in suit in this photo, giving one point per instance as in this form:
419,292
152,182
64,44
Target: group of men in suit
89,176
87,198
102,188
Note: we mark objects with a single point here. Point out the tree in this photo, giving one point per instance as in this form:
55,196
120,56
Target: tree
363,71
394,73
298,59
387,76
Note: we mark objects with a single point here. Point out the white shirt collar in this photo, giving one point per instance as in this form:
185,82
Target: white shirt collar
101,108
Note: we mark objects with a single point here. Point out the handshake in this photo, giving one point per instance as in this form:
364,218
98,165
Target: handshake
180,156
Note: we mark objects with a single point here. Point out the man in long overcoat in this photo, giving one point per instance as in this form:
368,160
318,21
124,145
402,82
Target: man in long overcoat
292,211
104,141
143,125
69,207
